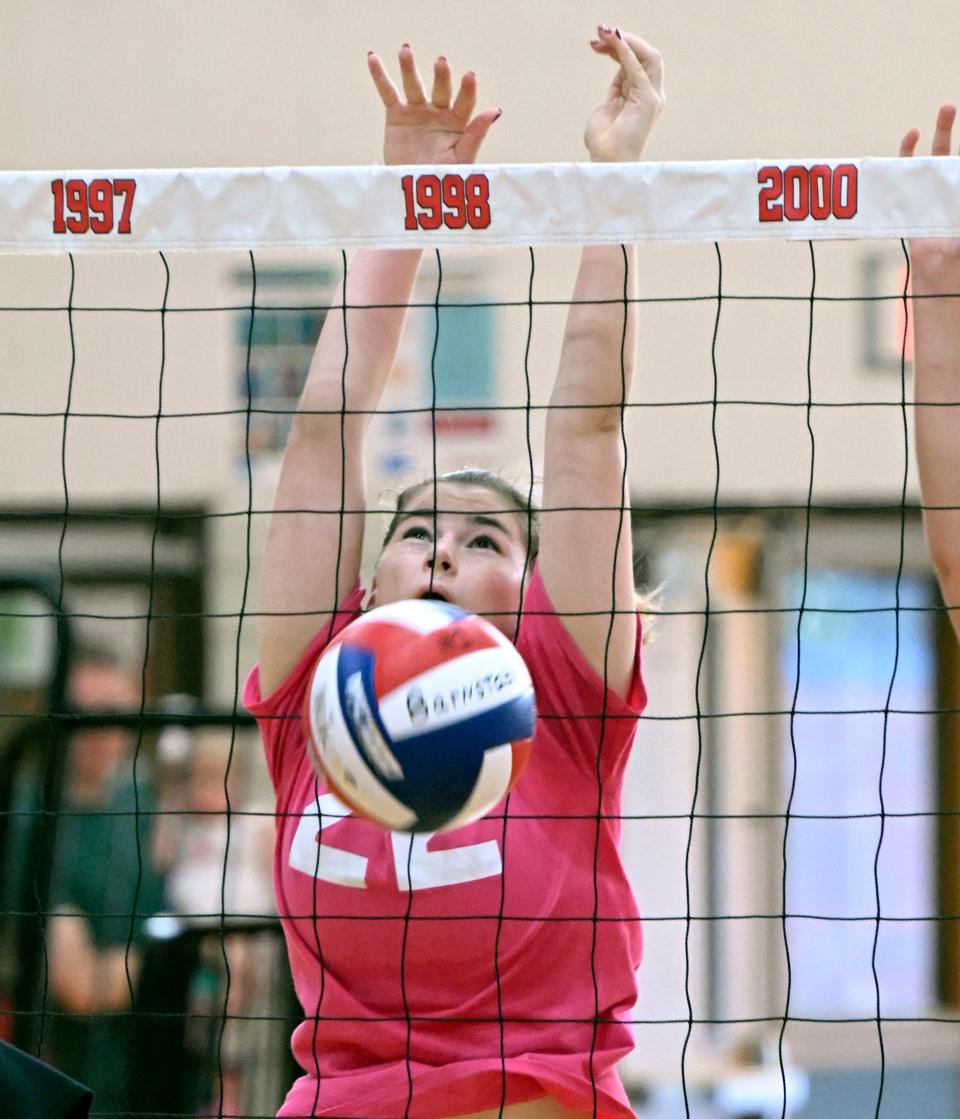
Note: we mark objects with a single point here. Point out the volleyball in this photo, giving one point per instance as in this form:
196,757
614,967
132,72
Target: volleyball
420,716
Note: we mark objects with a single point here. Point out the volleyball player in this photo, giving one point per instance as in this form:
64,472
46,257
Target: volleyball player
452,976
935,272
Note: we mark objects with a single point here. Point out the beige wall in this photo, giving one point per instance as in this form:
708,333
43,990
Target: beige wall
210,82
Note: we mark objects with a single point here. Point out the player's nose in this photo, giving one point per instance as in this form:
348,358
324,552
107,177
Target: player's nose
443,556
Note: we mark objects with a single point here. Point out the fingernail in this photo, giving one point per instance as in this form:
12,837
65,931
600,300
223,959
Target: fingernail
617,33
499,114
603,28
442,58
404,46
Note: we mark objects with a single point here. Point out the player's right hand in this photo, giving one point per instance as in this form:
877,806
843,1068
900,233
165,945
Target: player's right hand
438,129
618,129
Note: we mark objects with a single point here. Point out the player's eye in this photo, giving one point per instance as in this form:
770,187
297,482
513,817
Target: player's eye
415,532
484,541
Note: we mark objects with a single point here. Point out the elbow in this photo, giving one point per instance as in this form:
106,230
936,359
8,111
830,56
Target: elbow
318,417
608,423
75,997
948,576
945,556
941,524
318,425
590,403
95,990
570,427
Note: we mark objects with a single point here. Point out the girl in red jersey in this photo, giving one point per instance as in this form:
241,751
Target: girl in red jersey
486,971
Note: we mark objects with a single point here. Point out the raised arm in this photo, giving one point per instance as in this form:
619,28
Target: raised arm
315,537
935,267
586,553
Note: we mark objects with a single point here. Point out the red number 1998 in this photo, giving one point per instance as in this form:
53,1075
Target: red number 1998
432,201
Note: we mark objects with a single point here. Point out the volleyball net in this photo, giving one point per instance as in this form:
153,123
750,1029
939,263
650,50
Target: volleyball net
789,815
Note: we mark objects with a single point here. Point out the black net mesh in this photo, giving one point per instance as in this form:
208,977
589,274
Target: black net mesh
787,820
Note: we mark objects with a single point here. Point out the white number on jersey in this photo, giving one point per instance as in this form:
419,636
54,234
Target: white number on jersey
416,866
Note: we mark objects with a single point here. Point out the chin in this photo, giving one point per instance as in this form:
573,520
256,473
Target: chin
507,623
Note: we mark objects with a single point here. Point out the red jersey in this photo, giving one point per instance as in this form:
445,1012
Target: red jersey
442,974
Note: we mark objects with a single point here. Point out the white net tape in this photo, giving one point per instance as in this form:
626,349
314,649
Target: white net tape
529,204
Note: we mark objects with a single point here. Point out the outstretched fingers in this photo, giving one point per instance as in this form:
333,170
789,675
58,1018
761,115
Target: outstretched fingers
442,83
414,91
942,134
473,135
422,129
413,87
381,79
466,100
943,131
908,145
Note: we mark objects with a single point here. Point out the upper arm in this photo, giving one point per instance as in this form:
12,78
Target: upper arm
315,537
937,415
938,453
586,550
313,548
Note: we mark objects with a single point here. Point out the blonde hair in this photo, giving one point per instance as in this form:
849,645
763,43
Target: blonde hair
648,604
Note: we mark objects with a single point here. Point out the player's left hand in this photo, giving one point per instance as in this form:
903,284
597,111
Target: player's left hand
618,129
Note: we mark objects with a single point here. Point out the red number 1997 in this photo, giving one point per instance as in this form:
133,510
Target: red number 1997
82,207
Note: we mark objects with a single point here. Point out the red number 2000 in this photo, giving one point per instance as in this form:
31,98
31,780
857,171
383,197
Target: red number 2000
796,193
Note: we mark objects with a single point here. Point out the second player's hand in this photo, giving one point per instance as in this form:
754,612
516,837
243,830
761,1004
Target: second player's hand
934,253
618,129
435,129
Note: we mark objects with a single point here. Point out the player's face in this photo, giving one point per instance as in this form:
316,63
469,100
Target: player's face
471,554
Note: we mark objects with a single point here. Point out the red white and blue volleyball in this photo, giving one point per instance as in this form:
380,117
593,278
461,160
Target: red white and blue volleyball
420,716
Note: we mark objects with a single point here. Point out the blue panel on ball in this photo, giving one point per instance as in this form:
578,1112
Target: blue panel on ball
507,722
437,785
358,704
442,766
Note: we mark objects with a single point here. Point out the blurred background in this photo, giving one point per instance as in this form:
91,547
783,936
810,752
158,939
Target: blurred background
791,805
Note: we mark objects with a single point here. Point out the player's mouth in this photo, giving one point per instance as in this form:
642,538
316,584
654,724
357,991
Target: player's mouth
433,596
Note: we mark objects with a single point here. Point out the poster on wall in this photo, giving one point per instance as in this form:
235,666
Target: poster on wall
439,398
273,347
